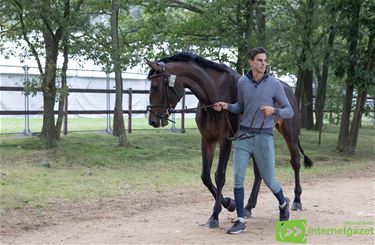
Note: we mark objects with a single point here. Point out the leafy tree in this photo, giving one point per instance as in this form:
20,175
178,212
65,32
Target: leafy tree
203,27
42,25
117,38
358,27
297,30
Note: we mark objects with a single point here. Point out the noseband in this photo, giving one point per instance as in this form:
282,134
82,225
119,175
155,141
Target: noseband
168,83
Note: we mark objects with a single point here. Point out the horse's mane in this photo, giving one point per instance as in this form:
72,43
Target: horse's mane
189,57
205,64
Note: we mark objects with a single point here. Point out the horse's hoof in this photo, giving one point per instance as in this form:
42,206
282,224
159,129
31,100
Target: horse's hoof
212,223
297,206
247,213
232,204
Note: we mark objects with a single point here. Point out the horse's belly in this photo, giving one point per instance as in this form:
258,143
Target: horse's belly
212,127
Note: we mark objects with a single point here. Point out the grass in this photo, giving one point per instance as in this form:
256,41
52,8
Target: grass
17,124
90,166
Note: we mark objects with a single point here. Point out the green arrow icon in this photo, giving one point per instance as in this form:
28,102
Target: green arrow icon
292,231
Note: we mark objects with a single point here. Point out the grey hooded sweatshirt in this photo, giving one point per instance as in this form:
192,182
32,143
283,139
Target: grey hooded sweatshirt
252,95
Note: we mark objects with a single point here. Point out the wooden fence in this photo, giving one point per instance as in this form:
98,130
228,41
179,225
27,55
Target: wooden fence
108,112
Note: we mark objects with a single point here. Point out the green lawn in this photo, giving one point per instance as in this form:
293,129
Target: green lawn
17,124
89,166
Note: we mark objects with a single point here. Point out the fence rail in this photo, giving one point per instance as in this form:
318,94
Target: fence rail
67,112
108,111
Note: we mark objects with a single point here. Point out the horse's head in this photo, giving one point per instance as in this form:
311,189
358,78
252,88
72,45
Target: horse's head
165,92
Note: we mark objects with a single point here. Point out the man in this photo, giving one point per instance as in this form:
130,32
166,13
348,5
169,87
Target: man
258,93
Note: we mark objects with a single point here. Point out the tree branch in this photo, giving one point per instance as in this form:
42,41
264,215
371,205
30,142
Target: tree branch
60,30
26,38
79,4
48,26
184,5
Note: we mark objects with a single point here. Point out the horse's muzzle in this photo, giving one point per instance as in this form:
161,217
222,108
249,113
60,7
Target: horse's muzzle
156,122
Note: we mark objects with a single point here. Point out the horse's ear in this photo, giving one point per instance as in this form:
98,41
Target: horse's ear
153,65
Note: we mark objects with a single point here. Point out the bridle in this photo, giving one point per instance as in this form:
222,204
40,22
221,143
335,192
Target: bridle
168,84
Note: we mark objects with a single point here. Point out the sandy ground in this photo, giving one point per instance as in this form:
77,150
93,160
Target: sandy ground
179,217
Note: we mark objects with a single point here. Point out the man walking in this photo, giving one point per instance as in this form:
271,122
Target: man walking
258,94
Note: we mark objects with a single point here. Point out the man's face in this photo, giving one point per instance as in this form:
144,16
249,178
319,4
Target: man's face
259,63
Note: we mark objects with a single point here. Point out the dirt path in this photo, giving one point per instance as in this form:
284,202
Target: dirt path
331,202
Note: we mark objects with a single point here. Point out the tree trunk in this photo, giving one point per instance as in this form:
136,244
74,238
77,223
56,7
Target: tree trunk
345,117
303,94
305,73
63,90
118,121
322,85
352,140
241,65
48,131
49,90
352,39
299,91
361,100
260,9
307,120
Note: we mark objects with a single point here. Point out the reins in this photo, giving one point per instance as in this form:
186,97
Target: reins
170,110
243,135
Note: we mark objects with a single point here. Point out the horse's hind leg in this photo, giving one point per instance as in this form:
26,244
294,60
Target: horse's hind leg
295,162
251,203
290,134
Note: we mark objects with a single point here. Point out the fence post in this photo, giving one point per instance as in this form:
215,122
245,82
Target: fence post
130,110
27,130
108,101
183,115
173,128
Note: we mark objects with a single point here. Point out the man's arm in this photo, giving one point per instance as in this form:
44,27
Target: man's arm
285,110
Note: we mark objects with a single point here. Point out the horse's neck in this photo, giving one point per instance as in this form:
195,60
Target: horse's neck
197,80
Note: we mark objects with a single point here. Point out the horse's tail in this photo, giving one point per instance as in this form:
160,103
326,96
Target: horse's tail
307,161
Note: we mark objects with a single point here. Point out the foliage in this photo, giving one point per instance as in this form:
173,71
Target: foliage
220,30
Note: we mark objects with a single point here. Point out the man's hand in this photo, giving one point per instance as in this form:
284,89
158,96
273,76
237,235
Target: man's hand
267,110
218,106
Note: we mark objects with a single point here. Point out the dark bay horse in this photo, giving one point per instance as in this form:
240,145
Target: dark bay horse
211,82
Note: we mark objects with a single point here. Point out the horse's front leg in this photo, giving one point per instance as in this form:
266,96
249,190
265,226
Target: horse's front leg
252,202
229,203
208,150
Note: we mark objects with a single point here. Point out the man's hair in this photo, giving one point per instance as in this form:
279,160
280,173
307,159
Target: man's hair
254,51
